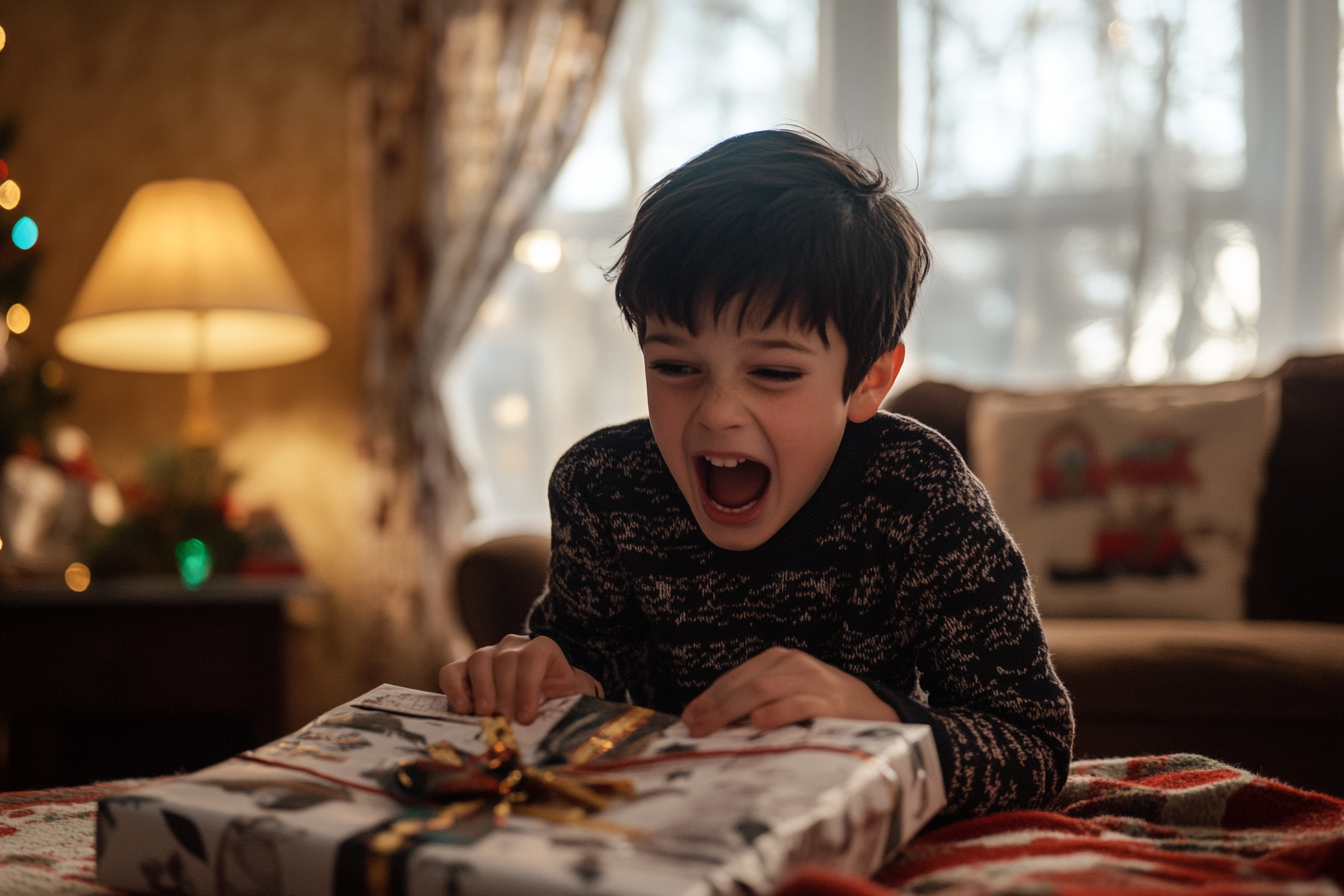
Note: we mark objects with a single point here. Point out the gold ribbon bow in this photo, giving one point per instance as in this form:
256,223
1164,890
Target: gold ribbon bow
499,783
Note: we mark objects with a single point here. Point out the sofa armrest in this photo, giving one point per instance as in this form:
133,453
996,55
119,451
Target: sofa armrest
497,583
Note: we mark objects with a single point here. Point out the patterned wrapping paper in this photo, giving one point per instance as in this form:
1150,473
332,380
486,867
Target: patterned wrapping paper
735,812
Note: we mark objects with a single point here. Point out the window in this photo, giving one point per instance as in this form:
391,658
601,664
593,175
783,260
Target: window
1097,211
1116,191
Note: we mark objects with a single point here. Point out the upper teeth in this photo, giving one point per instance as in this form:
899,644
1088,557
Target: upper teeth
726,461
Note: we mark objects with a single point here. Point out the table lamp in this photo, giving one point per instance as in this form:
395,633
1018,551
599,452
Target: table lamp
189,282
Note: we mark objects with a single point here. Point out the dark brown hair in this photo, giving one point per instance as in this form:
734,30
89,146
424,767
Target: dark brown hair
780,217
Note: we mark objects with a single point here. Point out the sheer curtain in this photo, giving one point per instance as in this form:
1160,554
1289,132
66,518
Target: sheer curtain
548,360
472,108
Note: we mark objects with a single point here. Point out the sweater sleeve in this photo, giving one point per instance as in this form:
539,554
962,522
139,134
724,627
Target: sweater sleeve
1000,715
587,606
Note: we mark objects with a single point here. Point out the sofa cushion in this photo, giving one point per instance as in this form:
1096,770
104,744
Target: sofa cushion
1252,671
1297,566
1262,695
1130,501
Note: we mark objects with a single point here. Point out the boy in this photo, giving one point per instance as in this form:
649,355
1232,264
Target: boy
768,545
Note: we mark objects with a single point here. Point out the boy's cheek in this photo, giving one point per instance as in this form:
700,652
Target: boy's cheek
667,433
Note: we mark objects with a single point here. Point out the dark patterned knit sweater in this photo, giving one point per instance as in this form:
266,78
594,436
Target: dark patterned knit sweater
896,570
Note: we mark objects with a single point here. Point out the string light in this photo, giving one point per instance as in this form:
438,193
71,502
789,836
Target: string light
511,411
105,502
193,562
539,249
24,233
9,194
77,577
18,318
2,38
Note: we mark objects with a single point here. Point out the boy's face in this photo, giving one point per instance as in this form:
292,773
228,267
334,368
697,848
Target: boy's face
748,419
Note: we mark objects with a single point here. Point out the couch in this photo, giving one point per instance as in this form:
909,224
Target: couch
1265,693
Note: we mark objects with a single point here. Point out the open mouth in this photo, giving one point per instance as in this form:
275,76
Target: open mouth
732,486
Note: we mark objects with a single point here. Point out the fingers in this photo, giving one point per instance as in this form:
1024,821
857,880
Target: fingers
764,663
788,710
456,686
780,687
511,678
506,681
748,698
760,680
800,707
588,685
542,671
481,673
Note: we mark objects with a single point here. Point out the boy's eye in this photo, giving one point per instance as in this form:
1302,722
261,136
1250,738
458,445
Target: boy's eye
672,368
776,374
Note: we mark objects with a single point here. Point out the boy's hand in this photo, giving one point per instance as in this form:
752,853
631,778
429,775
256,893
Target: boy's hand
512,677
780,687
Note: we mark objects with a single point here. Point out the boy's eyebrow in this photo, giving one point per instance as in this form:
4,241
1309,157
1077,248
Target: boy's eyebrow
783,343
664,338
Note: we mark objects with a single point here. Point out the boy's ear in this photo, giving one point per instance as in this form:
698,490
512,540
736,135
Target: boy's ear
867,398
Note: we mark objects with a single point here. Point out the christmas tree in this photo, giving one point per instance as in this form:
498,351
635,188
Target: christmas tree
30,382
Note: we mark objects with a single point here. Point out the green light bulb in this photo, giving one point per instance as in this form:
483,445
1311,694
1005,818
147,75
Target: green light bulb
193,562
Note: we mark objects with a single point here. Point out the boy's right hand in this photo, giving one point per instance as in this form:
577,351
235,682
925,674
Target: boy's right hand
512,677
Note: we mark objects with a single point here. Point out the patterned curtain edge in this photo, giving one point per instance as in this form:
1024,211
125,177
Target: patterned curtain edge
460,157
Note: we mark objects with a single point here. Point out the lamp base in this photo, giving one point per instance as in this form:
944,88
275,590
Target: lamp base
199,429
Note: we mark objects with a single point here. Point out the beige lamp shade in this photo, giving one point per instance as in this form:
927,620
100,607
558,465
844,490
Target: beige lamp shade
187,281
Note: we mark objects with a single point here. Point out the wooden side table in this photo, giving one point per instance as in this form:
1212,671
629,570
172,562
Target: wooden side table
137,676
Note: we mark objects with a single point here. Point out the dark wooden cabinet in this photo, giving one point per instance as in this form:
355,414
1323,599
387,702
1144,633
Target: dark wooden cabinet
137,677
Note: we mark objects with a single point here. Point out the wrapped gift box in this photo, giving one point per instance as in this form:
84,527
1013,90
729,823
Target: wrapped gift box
311,814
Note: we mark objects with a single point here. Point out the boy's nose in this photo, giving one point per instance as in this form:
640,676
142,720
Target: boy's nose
721,408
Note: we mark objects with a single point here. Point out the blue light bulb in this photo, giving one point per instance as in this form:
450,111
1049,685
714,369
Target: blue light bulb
24,233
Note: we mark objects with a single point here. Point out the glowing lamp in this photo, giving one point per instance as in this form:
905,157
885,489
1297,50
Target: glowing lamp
189,282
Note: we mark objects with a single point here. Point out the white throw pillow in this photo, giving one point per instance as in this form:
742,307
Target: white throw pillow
1130,501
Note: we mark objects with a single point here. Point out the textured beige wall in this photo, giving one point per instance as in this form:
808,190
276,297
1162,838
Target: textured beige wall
109,94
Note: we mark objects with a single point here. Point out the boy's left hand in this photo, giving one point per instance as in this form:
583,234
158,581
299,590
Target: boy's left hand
780,687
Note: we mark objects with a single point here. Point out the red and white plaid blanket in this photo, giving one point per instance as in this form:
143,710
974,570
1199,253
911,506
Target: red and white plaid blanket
1159,825
1155,826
